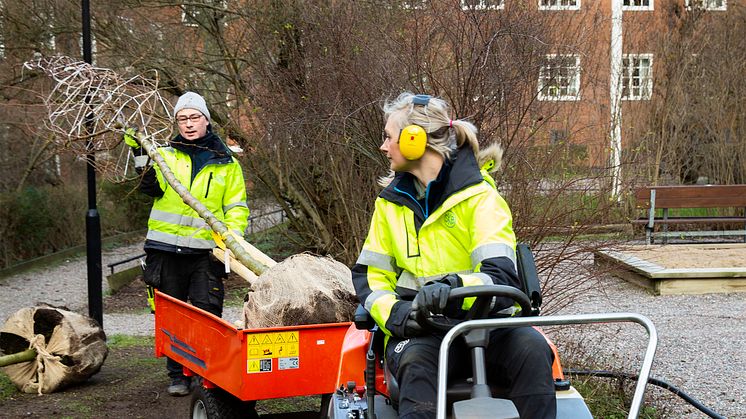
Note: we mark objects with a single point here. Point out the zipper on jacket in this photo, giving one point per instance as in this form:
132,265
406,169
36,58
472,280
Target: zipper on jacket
412,252
209,180
424,212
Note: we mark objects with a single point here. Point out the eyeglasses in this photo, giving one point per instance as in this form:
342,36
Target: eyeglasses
194,118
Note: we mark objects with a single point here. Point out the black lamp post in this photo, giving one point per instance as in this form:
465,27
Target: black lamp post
92,219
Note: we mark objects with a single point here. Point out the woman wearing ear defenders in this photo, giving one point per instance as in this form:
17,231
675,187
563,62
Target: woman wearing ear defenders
439,223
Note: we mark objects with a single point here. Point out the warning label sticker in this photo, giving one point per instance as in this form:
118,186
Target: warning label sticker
288,363
259,365
272,345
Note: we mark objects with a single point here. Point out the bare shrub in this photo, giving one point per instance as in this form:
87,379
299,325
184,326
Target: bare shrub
695,128
299,86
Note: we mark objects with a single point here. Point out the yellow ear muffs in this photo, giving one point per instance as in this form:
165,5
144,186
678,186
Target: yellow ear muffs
412,142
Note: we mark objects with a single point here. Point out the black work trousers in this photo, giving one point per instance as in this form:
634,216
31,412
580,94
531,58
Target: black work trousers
518,358
197,278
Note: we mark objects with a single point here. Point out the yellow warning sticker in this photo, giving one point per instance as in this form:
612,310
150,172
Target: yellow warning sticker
271,345
259,365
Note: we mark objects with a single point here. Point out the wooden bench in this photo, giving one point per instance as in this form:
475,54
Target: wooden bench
690,196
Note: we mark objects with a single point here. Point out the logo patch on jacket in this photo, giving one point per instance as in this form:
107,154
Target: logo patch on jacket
449,218
400,346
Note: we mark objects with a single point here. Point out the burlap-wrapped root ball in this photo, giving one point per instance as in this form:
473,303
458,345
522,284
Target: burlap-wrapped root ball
302,289
70,348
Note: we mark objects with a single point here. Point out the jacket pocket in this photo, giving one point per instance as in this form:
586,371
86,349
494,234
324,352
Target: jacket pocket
153,266
209,181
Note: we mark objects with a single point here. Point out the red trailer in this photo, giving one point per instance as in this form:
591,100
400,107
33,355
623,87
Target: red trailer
249,364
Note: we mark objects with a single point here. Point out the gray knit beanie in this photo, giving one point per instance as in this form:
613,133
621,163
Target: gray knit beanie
191,100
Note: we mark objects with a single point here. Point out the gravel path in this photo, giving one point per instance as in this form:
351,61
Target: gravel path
66,285
701,343
701,348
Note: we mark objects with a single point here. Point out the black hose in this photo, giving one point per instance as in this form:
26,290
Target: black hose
654,381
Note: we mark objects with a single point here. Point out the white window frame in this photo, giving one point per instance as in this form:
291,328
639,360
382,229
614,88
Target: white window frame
413,4
558,6
573,84
646,81
641,7
706,5
482,5
187,20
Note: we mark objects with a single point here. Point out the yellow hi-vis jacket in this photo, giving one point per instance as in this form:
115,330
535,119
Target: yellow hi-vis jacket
468,232
219,185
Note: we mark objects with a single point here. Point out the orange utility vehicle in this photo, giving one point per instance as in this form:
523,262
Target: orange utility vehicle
243,365
342,362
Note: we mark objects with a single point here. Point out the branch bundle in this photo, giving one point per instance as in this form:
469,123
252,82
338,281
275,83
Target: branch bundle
86,103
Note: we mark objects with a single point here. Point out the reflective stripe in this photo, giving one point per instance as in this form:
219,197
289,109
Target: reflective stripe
492,250
476,278
486,279
381,310
378,260
407,280
510,311
180,241
237,204
375,295
177,219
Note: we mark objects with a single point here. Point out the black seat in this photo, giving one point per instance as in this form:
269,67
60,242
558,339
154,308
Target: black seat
529,277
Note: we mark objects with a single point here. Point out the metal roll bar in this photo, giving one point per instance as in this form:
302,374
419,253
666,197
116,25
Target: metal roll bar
647,361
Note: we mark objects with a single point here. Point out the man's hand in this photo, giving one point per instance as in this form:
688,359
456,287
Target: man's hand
141,158
129,138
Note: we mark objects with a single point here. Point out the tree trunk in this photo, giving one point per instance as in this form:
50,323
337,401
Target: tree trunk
17,358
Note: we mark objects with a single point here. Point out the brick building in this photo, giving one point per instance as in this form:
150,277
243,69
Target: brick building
598,90
571,86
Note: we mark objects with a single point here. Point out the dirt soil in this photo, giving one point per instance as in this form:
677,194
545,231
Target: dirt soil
132,381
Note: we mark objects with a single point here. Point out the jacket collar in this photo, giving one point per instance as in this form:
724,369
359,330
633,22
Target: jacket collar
459,172
210,142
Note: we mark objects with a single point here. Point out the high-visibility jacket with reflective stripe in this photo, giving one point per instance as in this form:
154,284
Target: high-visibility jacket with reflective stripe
219,185
472,227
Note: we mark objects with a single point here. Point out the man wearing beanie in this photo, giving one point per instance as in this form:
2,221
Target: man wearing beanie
179,243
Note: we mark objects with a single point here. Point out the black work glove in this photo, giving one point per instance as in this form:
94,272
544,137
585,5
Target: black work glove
434,295
141,157
402,323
